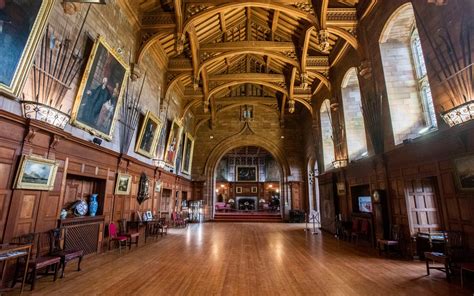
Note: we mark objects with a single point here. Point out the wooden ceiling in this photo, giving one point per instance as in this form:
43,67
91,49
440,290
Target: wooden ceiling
247,52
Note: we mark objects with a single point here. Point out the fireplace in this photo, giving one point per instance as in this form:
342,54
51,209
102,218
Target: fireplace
246,203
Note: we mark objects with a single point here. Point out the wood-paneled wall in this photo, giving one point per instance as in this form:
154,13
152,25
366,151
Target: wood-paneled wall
24,211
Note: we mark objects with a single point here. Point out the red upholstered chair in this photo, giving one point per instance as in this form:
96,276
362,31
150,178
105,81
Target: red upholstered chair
363,231
132,235
354,229
120,239
177,220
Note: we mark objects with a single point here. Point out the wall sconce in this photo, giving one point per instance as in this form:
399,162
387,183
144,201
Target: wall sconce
159,162
339,163
291,106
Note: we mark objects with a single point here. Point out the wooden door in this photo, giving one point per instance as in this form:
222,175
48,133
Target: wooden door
422,205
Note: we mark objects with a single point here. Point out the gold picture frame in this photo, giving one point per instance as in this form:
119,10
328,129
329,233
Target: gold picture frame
19,72
172,145
188,151
246,173
123,184
149,135
97,94
36,173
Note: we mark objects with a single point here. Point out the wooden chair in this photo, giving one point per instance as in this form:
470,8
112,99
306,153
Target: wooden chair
354,229
39,259
362,232
453,245
57,249
120,239
392,242
163,226
133,236
177,220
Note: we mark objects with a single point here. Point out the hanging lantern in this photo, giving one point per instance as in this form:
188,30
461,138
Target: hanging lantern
291,106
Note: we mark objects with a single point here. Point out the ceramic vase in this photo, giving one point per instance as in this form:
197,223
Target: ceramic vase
93,205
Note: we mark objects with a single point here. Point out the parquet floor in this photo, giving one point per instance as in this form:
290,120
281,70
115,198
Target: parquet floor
247,259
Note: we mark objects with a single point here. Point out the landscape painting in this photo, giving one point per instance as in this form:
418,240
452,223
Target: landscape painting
97,103
36,173
22,23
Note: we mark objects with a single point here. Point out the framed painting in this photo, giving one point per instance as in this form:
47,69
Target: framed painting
464,168
149,135
238,189
99,97
254,189
36,173
158,186
22,24
246,173
187,154
172,145
124,182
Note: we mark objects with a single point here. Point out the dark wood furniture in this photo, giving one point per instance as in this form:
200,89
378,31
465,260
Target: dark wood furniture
9,252
429,242
453,244
57,249
385,245
466,267
163,226
39,260
133,236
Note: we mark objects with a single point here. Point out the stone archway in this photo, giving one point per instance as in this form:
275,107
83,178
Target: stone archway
240,140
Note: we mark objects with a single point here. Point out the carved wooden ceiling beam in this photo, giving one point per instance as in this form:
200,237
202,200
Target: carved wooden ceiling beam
248,76
248,45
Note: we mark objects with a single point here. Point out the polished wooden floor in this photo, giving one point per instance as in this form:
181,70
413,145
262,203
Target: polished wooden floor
247,259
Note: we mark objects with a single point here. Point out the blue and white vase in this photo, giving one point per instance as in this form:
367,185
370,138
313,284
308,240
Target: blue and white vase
93,205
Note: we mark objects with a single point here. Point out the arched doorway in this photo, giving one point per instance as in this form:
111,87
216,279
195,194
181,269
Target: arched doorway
247,184
233,142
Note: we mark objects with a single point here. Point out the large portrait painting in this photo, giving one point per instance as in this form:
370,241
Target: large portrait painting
149,135
22,23
465,172
246,173
99,97
36,173
187,154
172,145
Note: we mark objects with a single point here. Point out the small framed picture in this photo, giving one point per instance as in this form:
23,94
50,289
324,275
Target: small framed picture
341,188
123,184
149,216
254,189
36,173
238,189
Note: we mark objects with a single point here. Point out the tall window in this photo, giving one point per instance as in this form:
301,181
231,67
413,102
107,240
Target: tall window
422,77
353,118
409,95
326,134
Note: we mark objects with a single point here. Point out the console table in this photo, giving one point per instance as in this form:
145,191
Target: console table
9,252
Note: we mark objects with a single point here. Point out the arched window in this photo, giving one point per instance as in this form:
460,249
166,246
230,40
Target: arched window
326,134
408,89
353,118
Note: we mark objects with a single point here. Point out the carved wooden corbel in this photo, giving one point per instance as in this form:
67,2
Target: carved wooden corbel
55,139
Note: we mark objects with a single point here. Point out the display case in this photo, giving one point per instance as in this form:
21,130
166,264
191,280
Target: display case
196,211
